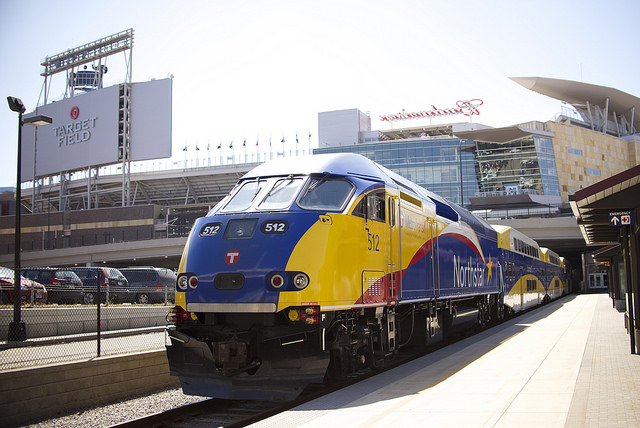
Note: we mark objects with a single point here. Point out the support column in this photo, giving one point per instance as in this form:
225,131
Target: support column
634,255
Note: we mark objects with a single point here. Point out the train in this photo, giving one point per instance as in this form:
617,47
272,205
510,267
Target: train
314,268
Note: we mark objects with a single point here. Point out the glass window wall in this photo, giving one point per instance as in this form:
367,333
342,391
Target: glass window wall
434,164
526,165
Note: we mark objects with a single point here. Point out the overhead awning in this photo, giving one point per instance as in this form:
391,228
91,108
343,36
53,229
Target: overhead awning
502,200
606,253
592,205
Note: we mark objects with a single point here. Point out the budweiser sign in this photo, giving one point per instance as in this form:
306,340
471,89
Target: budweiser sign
468,108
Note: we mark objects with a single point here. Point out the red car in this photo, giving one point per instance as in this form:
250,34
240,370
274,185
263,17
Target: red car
30,291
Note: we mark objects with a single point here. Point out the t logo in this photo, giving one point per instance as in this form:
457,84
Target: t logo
232,257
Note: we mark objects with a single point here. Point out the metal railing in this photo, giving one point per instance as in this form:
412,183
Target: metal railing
84,240
61,332
509,193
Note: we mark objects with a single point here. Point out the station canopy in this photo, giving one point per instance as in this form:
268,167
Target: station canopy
593,204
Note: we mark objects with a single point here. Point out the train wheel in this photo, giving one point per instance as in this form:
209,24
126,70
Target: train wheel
484,313
497,309
445,320
370,357
500,312
335,371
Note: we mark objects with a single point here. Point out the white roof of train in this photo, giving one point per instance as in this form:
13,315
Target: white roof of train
344,164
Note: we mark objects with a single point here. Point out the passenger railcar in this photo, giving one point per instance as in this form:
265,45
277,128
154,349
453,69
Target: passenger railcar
557,274
532,274
313,268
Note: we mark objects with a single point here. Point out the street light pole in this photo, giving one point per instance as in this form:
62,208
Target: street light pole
17,328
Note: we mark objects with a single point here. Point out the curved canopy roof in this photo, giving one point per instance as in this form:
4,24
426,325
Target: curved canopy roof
579,93
592,205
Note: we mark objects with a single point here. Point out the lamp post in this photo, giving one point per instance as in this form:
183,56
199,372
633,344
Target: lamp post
17,328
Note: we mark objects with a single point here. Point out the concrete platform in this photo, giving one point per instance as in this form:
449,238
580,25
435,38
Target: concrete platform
566,364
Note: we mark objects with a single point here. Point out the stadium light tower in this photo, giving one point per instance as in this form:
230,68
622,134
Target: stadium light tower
17,328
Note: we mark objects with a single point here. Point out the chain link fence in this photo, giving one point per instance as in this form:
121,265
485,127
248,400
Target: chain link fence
64,318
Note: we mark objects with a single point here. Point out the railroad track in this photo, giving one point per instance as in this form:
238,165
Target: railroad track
239,413
210,413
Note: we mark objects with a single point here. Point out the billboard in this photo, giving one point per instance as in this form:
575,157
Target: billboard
85,130
466,107
151,120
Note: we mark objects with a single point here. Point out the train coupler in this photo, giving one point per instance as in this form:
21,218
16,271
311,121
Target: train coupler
232,357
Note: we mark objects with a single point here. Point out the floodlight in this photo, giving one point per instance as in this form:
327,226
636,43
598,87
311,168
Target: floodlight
15,104
37,120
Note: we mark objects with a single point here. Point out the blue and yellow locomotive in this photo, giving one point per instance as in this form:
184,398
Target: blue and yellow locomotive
313,268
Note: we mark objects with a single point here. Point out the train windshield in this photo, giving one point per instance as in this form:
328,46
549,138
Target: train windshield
281,194
324,193
244,196
320,193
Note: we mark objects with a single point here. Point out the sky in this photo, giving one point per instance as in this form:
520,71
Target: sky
261,69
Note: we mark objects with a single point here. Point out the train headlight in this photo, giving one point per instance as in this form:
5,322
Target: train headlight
312,310
182,283
300,281
277,281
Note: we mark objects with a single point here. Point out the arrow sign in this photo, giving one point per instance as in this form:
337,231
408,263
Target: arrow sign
622,218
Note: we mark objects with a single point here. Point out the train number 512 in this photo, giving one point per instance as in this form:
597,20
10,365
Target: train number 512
275,226
373,241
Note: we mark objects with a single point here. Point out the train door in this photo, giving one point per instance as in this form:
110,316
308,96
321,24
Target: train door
378,282
395,246
434,260
522,288
381,278
501,281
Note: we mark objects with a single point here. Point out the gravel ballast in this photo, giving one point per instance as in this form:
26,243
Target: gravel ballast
115,413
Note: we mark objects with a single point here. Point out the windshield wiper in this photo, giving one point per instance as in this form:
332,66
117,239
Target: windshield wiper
279,183
257,190
315,184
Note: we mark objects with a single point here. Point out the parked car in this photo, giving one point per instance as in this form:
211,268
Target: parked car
63,286
30,291
151,284
113,283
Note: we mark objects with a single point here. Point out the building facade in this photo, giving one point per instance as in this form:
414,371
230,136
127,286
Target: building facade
586,156
436,164
521,170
